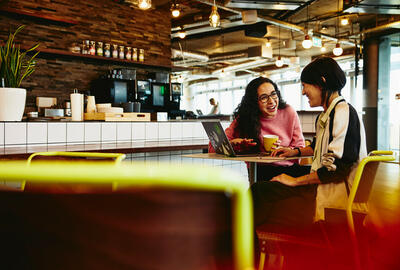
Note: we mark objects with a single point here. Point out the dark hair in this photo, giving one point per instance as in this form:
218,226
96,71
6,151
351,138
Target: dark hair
325,73
248,113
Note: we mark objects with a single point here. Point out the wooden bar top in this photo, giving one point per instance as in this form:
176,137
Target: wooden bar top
116,147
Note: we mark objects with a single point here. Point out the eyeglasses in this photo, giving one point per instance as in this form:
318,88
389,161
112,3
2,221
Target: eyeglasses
264,98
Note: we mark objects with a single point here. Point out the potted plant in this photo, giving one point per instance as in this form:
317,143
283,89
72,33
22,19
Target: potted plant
15,66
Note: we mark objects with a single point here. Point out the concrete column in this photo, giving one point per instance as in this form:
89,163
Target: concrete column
384,94
370,89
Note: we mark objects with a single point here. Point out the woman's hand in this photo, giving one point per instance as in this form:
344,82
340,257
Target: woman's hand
242,144
276,145
284,152
285,179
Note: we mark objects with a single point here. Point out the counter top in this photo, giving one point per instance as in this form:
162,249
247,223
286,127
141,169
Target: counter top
119,147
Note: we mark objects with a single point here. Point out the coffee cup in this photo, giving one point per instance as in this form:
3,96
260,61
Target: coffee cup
268,141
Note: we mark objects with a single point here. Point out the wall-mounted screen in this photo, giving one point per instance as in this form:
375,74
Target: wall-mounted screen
143,87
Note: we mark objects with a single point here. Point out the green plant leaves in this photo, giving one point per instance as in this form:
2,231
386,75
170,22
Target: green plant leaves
14,64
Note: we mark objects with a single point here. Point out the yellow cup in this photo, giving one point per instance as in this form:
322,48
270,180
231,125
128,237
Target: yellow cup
269,141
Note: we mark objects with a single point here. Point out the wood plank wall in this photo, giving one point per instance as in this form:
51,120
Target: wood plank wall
98,20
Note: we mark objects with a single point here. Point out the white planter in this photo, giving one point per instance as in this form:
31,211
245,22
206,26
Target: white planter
12,103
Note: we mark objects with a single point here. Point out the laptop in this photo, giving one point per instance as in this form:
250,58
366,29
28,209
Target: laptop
199,112
220,142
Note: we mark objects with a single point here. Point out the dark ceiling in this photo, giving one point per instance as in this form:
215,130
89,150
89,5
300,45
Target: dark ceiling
241,46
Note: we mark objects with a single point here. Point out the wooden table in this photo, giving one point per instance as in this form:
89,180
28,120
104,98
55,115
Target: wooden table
253,160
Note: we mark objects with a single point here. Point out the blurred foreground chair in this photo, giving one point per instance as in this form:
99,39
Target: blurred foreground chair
331,236
116,158
159,217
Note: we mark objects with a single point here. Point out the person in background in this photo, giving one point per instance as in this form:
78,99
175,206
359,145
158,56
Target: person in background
215,107
263,111
337,149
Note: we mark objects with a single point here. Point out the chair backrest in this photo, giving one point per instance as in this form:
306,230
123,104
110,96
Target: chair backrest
365,176
160,217
117,157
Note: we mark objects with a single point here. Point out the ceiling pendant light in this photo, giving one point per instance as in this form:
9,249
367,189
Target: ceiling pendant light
337,50
144,4
214,16
307,43
279,62
268,44
175,10
181,33
344,21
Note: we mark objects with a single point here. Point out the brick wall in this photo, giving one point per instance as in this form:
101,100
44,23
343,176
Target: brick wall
98,20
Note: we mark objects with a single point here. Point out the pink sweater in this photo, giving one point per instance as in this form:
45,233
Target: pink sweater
285,124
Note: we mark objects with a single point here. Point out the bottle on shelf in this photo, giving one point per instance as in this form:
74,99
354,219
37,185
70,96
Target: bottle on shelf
92,48
141,55
99,50
134,54
107,50
85,47
121,52
115,51
128,53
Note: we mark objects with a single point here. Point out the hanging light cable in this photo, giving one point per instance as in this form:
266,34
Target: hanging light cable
214,16
337,50
279,62
307,43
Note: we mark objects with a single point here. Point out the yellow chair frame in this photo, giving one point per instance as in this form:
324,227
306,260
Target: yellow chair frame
118,157
374,156
152,175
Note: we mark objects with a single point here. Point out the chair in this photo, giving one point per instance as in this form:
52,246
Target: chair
115,157
159,217
323,235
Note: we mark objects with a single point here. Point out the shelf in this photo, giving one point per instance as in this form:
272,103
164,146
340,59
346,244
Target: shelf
56,53
37,15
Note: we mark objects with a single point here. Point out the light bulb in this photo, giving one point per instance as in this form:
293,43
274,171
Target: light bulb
337,50
214,17
344,21
182,34
268,44
323,48
144,4
279,62
176,12
307,43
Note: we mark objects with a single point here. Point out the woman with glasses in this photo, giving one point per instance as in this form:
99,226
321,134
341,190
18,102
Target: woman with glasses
262,111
